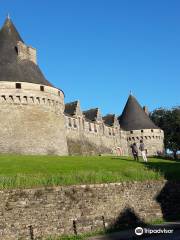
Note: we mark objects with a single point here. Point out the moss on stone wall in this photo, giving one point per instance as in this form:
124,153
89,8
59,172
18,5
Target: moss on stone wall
85,147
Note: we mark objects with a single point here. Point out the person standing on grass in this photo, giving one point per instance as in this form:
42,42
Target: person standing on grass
135,151
143,151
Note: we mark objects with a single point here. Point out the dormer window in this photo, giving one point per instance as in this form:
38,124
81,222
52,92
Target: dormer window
18,85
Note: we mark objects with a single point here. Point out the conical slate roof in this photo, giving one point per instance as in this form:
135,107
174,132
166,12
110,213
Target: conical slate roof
134,117
13,69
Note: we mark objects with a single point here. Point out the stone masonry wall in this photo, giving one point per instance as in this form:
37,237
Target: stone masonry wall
153,140
32,120
88,138
26,52
66,210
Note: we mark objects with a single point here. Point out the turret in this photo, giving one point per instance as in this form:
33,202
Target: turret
137,124
31,116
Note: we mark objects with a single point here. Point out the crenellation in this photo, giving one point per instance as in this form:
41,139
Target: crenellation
153,140
29,100
95,133
30,105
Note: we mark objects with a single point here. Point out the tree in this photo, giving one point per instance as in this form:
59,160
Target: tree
169,121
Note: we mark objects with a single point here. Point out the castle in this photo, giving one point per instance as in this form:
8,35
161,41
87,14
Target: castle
35,120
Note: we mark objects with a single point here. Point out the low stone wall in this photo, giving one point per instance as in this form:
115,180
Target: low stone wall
33,213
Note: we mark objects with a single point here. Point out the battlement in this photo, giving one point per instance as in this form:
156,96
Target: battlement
144,134
31,94
152,138
106,130
94,128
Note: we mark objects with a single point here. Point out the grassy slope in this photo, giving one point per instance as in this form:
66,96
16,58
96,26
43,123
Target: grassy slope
31,171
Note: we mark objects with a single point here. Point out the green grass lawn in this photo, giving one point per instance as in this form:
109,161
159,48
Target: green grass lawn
35,171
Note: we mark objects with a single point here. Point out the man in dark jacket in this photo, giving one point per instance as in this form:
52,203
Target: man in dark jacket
135,151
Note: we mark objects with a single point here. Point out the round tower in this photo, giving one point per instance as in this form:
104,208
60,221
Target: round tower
31,108
138,126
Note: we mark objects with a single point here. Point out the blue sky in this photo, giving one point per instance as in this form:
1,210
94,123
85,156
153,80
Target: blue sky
98,51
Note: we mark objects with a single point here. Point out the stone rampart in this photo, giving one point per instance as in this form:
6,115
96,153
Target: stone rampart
31,119
86,137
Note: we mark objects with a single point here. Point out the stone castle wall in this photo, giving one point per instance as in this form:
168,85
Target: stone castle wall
31,119
86,137
77,209
33,122
152,138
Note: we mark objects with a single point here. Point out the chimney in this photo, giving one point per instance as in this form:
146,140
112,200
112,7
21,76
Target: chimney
26,52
